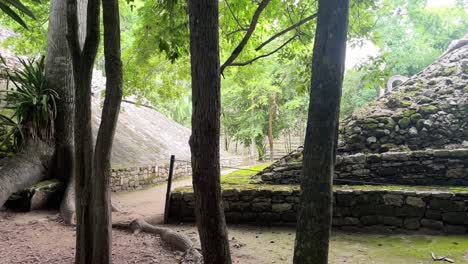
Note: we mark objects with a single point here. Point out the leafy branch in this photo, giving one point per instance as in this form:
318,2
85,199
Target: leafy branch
264,55
282,32
248,34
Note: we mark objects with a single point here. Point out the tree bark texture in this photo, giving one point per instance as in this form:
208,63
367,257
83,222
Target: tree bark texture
315,208
59,76
271,117
204,142
27,167
100,195
83,60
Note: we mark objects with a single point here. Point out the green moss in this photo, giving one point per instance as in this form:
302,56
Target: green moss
404,122
370,121
243,176
403,188
428,109
405,248
416,117
370,126
53,184
449,70
409,112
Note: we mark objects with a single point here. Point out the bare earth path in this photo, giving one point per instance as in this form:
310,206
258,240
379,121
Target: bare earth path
148,202
40,237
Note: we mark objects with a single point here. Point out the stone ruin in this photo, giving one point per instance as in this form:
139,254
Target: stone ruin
416,134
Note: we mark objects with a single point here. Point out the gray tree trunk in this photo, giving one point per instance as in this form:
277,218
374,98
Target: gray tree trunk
83,61
204,142
100,195
315,207
59,76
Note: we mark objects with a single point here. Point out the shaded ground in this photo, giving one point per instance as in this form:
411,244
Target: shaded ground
265,245
40,237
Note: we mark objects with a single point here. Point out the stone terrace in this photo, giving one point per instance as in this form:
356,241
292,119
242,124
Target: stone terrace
422,167
410,209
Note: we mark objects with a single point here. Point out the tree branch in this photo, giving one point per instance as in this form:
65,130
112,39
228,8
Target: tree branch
247,36
234,16
298,24
72,29
90,47
264,55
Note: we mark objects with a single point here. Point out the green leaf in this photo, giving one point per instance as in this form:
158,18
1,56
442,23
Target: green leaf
21,7
13,15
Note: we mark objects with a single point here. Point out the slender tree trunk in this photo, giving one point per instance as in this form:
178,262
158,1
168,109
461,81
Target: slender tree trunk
204,142
271,117
315,208
100,196
83,60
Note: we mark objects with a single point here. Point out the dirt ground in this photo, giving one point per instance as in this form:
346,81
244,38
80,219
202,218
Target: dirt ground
40,237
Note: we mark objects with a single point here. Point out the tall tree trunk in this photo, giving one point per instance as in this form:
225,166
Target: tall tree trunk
27,167
204,142
315,208
271,117
100,196
59,76
83,60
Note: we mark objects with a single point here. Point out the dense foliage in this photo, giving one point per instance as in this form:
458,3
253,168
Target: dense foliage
272,86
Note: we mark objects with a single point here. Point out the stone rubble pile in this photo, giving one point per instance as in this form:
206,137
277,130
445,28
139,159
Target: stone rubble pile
430,110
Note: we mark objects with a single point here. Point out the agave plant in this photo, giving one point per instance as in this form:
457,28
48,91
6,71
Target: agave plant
31,105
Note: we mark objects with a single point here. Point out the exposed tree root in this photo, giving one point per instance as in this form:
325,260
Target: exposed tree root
67,207
174,239
26,168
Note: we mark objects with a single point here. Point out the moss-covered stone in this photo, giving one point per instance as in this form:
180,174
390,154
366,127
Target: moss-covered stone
370,126
409,112
428,109
415,118
404,122
370,121
448,71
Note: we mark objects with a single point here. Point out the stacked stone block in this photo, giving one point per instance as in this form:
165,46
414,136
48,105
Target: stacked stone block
410,210
423,167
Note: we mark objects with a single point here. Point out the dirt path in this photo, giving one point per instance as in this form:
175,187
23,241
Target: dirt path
148,202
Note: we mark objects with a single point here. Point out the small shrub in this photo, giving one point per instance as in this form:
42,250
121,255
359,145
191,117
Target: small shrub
30,109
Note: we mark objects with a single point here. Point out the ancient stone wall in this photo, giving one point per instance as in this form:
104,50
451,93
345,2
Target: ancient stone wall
140,177
411,210
136,178
423,167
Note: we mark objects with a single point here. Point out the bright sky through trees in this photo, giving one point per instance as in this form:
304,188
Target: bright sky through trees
359,54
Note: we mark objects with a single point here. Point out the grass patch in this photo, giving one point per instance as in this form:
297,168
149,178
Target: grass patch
243,176
454,189
392,248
